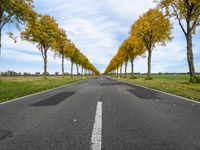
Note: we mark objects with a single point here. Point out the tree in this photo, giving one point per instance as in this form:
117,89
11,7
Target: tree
61,45
133,47
128,50
15,11
119,62
187,12
83,63
42,32
116,62
152,28
77,61
72,56
78,58
124,53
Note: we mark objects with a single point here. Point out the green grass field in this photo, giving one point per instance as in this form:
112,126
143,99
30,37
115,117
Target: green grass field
174,84
14,87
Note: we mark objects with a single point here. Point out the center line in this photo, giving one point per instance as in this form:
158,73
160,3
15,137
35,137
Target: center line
97,129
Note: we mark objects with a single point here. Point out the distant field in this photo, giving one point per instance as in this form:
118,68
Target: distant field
175,84
14,87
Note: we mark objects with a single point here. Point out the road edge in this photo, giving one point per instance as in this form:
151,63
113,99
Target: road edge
170,94
26,96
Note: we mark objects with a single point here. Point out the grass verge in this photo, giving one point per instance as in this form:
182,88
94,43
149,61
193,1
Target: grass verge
15,87
174,84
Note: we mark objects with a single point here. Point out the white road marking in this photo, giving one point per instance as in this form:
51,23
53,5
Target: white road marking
96,140
101,80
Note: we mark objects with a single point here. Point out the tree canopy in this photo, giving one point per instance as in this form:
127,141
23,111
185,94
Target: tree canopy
15,11
150,29
187,12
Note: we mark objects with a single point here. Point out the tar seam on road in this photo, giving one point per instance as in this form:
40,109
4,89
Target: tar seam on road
45,91
96,140
182,98
54,100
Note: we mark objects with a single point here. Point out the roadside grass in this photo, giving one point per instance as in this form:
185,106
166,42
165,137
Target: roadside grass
174,84
15,87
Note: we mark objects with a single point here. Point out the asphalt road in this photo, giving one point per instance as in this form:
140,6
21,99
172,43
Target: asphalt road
100,114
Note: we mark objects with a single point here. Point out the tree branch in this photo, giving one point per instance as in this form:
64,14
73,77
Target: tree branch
195,22
179,21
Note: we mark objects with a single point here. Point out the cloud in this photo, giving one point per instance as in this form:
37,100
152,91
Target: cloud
129,8
97,28
97,43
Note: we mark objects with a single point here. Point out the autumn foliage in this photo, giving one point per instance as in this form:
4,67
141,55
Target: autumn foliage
187,12
150,29
43,31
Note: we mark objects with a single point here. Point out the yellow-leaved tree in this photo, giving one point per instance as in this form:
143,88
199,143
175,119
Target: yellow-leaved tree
42,32
61,46
152,28
15,11
134,48
187,12
125,55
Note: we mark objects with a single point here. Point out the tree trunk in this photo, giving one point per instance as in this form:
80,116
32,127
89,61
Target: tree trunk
63,71
45,63
0,41
72,68
77,69
125,71
190,57
1,25
132,67
117,72
149,64
82,70
121,71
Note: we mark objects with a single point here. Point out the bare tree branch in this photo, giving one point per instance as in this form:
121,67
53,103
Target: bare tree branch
179,21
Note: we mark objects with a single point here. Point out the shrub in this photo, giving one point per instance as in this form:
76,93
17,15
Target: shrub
148,78
196,79
133,77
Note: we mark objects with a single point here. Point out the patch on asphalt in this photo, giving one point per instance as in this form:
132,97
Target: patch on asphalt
54,100
4,134
144,93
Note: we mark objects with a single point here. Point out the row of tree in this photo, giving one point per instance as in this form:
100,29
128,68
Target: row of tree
150,29
43,31
154,28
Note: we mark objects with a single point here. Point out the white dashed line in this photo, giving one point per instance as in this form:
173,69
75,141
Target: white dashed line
97,129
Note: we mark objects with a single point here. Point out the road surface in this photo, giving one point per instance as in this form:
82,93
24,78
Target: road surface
100,114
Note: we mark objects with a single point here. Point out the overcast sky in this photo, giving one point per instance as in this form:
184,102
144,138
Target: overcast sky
97,27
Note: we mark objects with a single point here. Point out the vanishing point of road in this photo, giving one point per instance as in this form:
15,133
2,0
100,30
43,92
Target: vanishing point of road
100,114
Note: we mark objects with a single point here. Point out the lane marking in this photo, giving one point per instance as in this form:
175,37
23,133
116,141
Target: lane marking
96,139
101,80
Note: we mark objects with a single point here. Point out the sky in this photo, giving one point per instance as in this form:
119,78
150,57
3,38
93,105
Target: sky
97,27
